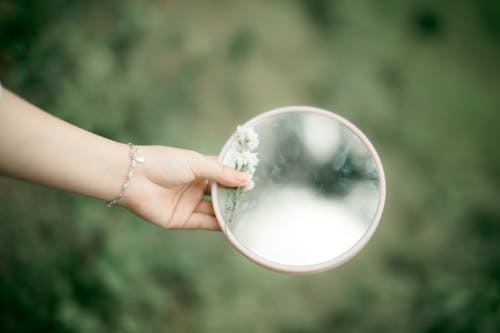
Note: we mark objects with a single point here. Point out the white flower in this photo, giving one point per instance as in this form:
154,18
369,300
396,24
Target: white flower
247,161
247,137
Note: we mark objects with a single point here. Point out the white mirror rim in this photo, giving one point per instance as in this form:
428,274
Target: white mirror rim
326,265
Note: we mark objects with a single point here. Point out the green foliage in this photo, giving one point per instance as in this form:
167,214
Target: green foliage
421,81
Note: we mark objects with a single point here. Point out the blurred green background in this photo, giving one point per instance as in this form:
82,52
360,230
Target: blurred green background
420,78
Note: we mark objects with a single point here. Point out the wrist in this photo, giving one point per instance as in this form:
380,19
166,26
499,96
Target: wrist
112,160
123,171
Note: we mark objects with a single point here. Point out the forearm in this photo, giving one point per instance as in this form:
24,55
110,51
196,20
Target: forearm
40,148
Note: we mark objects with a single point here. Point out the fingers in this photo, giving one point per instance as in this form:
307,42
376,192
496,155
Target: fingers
201,221
208,167
201,218
205,207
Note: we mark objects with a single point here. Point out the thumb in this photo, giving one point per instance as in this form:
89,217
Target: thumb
207,167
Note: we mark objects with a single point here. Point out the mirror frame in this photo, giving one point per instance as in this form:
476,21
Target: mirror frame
326,265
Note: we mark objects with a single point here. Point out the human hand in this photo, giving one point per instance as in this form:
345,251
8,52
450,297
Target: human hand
167,190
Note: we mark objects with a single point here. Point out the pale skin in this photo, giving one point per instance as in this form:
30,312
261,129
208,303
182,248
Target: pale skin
166,190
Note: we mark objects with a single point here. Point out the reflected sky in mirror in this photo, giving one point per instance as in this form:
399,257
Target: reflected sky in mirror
316,191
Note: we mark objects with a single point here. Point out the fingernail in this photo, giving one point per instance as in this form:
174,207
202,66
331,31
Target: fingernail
249,186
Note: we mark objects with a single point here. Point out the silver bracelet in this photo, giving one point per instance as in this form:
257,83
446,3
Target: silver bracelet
134,159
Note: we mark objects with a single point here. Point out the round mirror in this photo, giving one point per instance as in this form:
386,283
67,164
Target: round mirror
317,195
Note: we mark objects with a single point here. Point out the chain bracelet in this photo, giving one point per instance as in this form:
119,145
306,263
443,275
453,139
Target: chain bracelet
134,159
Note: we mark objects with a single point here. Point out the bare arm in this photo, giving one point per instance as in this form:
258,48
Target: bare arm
167,190
43,149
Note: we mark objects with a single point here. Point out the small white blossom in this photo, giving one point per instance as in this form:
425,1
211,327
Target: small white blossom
247,137
247,161
230,158
242,158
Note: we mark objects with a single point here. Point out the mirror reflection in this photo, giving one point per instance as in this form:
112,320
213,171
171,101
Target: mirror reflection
315,193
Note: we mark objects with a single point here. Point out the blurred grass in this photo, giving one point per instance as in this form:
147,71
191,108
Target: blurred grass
421,79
